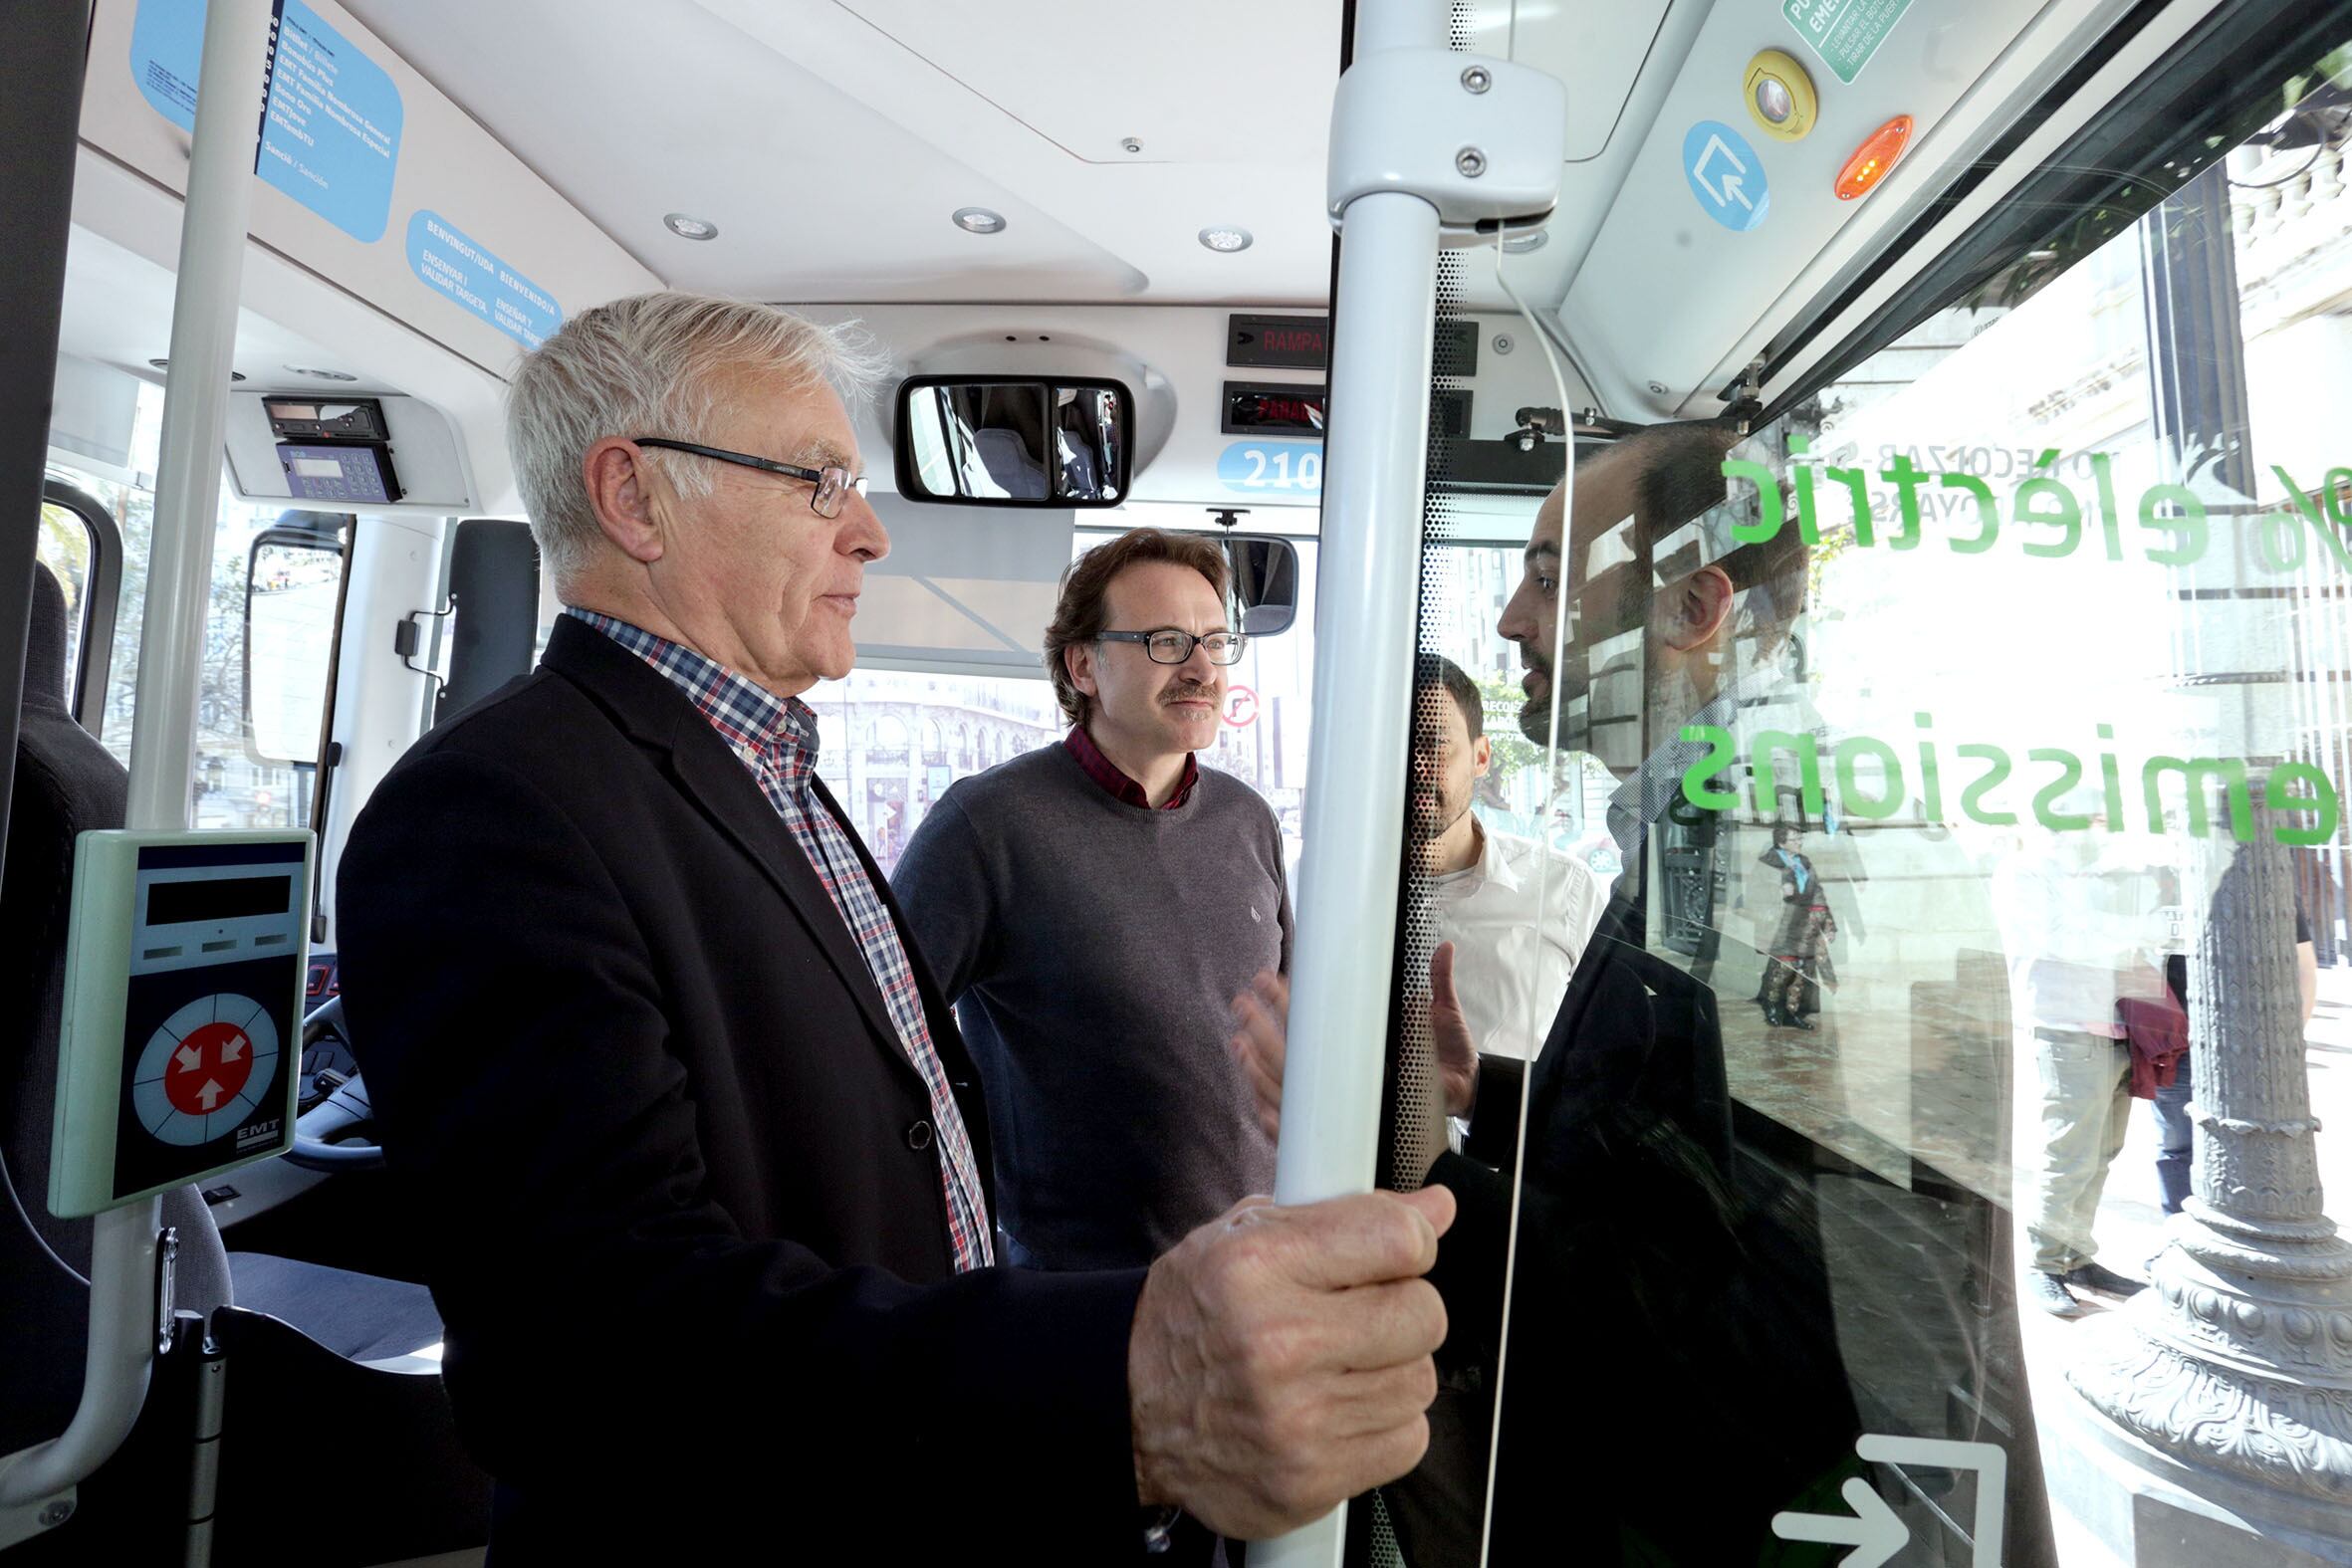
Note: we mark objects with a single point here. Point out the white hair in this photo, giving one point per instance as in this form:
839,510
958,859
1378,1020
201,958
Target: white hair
652,365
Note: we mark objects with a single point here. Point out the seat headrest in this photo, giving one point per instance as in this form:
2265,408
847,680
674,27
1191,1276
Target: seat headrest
44,643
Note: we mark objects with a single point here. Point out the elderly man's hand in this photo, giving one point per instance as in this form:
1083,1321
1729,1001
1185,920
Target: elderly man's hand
1279,1361
1261,1039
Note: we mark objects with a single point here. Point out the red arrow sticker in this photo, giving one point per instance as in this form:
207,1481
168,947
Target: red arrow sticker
208,1068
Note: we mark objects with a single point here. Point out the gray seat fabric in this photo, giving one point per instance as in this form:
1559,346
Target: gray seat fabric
357,1317
200,1279
1011,464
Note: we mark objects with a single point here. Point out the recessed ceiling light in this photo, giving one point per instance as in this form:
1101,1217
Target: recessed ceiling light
322,375
978,220
1226,237
689,228
1531,240
165,364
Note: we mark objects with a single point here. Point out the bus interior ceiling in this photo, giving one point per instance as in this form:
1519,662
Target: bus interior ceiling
829,146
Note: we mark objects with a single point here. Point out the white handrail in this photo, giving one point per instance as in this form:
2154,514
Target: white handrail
122,1293
1375,471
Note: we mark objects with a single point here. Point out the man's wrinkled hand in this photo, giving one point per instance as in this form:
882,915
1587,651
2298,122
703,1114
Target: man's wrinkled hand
1279,1361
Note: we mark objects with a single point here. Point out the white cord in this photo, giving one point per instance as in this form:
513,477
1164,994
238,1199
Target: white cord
1546,880
18,1204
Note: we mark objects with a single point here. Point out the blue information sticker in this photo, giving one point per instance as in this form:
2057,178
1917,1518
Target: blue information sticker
331,136
1255,467
448,262
1726,175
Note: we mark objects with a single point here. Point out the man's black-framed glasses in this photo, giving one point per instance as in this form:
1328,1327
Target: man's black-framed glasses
1170,646
833,484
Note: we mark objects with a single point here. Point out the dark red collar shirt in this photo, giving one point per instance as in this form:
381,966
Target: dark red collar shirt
1106,773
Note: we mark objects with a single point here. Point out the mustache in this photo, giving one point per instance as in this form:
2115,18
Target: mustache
1188,692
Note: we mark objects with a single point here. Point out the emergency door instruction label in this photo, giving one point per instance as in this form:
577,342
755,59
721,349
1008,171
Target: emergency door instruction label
1845,33
331,139
451,264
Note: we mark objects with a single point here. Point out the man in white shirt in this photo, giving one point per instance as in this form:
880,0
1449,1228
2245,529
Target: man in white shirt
1516,916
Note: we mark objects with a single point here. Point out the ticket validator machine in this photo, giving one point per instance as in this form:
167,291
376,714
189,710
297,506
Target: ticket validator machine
182,1020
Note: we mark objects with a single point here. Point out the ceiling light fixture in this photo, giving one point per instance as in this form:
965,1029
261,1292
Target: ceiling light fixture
687,227
1226,237
322,375
978,220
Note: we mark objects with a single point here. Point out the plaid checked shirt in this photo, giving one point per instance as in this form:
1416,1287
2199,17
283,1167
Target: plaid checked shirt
776,738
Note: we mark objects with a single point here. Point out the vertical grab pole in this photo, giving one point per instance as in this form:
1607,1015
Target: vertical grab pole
122,1297
196,409
1364,593
1373,476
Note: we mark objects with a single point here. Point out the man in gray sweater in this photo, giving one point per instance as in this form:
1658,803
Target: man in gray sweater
1093,909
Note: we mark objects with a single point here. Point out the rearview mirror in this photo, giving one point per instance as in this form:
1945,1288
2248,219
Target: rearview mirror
997,441
1264,578
292,605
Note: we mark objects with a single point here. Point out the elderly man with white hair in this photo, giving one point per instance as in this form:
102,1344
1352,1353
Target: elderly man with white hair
697,1163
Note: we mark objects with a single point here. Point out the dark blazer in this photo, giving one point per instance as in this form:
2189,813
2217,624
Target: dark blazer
1644,1231
674,1175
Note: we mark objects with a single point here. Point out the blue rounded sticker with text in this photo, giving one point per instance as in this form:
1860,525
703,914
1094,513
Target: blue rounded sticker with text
1283,467
448,261
1726,175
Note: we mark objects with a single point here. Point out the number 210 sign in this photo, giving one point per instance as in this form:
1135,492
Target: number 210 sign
1256,467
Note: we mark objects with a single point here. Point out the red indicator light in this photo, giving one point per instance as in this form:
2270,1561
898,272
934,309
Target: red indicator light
1878,153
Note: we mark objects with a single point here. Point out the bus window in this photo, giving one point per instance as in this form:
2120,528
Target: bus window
64,548
890,743
1933,1127
894,740
232,785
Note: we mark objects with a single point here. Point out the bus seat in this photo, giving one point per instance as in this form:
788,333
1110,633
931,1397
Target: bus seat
359,1317
1010,463
67,783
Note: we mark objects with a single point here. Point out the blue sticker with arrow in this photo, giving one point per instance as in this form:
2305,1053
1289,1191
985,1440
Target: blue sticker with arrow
1726,175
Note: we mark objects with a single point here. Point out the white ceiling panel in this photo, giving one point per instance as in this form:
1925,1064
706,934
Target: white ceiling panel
636,110
1207,82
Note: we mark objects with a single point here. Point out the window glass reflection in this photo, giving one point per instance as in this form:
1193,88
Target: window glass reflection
1932,1129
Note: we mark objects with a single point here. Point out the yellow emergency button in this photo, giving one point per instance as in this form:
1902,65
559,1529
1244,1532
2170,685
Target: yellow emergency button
1780,96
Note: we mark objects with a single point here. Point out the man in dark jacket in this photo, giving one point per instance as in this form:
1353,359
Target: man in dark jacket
695,1154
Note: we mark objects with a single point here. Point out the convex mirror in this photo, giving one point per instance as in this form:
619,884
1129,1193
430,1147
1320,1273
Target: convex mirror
999,441
1262,578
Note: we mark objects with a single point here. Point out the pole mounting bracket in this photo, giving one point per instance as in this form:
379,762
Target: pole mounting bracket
1480,139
